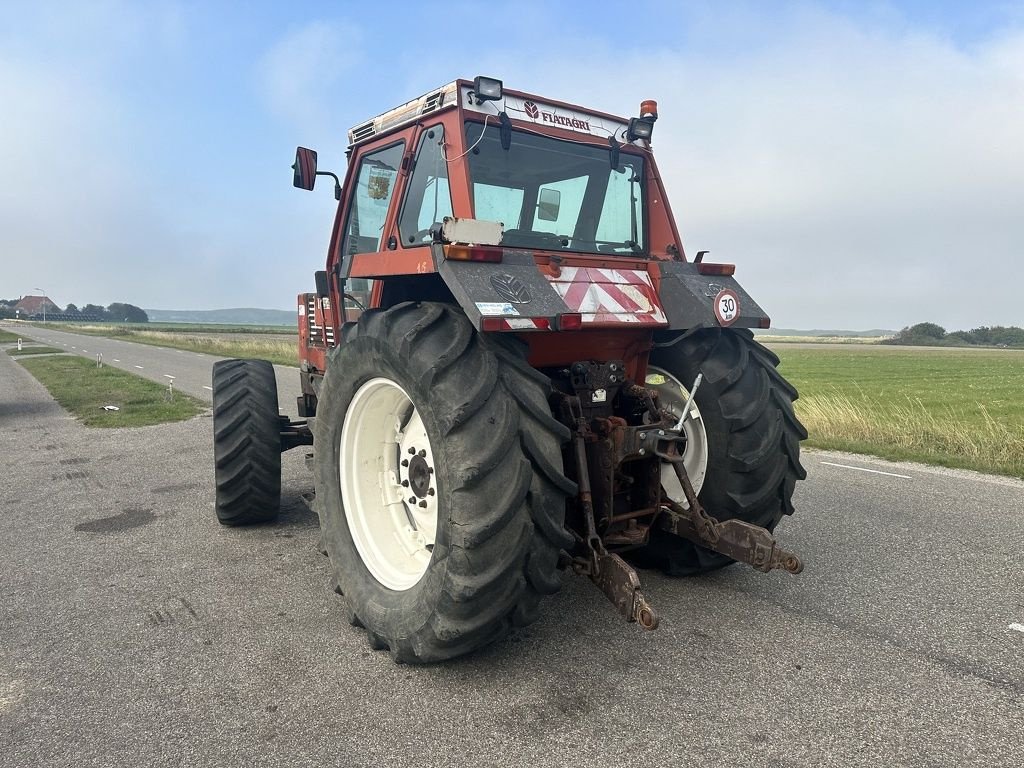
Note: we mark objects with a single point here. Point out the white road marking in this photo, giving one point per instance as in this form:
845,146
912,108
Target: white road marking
862,469
167,375
118,361
74,347
206,387
1017,627
139,367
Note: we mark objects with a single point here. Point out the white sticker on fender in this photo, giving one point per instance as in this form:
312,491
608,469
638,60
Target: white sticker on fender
492,308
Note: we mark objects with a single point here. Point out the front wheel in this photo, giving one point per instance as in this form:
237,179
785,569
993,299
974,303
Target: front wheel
439,482
743,439
246,442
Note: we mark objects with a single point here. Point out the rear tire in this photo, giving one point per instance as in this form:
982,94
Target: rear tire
752,440
495,493
246,442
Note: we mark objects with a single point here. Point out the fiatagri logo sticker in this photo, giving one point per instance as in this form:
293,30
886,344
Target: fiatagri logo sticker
534,112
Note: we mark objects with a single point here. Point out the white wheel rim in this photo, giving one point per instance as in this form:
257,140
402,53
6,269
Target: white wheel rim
672,397
388,487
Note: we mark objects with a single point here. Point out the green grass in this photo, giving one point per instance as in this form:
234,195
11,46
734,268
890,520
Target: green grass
952,407
768,338
15,352
7,336
239,343
83,389
102,329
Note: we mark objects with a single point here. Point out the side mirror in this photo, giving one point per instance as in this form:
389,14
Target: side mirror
305,168
322,287
548,204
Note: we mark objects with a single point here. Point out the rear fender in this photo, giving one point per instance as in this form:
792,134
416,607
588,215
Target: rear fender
513,290
689,299
515,295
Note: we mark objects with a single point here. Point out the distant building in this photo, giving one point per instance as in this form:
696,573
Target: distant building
30,306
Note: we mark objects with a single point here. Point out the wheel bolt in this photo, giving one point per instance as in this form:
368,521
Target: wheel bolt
412,499
430,470
423,503
430,491
405,462
422,453
412,451
405,483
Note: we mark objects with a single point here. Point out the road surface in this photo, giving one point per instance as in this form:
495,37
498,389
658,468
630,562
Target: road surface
134,630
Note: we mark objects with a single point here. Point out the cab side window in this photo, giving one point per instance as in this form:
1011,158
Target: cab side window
428,199
375,184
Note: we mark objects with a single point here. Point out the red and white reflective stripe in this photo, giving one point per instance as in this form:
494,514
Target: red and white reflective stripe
609,296
516,324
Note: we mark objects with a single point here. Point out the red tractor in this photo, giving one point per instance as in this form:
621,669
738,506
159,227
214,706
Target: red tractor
510,368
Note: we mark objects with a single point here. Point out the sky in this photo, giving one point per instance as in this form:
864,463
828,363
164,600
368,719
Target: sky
861,162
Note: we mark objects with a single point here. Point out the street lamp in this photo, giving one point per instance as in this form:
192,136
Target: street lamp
44,302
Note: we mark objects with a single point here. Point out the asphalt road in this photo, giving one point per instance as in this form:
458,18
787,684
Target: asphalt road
134,630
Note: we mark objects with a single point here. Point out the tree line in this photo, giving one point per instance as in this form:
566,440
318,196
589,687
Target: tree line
932,335
116,312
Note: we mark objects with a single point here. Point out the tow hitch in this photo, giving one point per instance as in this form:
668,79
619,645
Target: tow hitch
743,542
602,446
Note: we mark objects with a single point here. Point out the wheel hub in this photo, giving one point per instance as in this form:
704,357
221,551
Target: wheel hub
672,395
419,476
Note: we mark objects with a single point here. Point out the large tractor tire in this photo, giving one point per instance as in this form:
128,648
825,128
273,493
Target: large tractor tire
743,439
246,441
439,482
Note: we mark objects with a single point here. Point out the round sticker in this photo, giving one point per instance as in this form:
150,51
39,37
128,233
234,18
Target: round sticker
727,306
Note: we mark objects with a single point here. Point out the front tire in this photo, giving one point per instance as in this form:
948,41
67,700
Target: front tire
442,558
246,442
748,439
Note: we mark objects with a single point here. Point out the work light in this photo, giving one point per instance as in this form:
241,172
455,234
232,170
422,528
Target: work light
640,128
486,88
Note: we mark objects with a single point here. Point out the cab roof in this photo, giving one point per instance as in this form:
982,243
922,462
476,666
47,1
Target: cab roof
522,106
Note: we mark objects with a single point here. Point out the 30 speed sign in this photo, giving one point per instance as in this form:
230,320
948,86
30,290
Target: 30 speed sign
727,306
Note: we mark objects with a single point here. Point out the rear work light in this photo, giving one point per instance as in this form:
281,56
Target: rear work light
724,270
456,252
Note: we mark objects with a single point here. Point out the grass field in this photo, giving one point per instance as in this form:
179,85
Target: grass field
276,344
767,338
7,336
953,407
83,389
106,329
15,352
957,407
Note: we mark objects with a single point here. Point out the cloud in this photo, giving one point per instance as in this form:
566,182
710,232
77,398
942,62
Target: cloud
861,171
858,175
303,73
